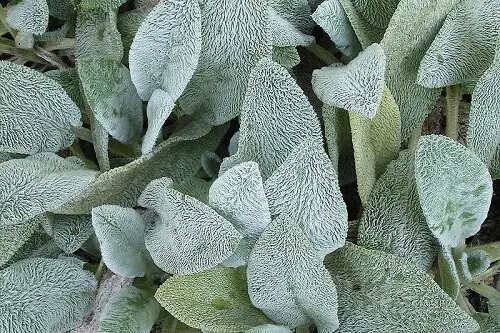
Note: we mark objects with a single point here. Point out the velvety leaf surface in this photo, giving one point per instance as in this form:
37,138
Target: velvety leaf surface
44,295
121,233
228,54
297,12
31,16
305,187
13,237
269,328
473,263
127,24
356,87
410,33
159,108
129,311
487,323
379,292
101,5
188,236
166,48
367,34
285,34
330,16
70,231
38,184
195,187
214,300
287,56
454,188
447,275
30,100
69,80
393,221
276,117
278,285
464,47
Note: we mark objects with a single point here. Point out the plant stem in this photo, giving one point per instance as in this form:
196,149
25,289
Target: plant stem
453,98
482,289
322,54
26,54
100,271
415,136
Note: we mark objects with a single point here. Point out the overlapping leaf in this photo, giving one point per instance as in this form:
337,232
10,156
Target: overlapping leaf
13,237
30,100
127,24
44,295
379,292
393,220
276,117
188,236
454,188
30,16
447,275
70,231
160,106
214,300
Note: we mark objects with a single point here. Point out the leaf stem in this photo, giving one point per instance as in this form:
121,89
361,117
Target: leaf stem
453,98
322,54
100,271
482,289
26,54
415,136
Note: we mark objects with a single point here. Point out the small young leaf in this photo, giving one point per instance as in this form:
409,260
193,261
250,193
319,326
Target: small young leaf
129,311
287,56
367,34
100,5
454,188
210,162
121,233
447,275
61,9
356,87
276,117
100,140
330,16
473,263
38,184
393,221
287,279
297,12
305,186
29,101
70,231
30,16
411,31
285,34
45,296
215,300
160,106
464,47
189,236
379,293
269,328
166,48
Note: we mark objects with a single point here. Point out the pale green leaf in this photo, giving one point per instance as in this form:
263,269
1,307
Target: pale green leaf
29,101
100,5
269,328
127,24
100,140
376,13
44,296
393,221
159,108
410,33
447,275
228,54
367,34
210,162
330,16
356,87
306,188
464,47
62,9
189,236
285,33
112,97
276,117
69,80
70,231
214,300
178,158
483,136
121,233
297,12
454,188
473,263
166,48
379,293
487,323
31,16
287,279
129,311
13,237
38,184
195,187
287,57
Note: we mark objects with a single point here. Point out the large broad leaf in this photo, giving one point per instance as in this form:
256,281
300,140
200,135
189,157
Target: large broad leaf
178,158
483,136
376,13
166,48
410,33
285,33
306,187
297,12
127,24
45,296
276,117
454,188
464,47
393,221
38,184
367,33
129,311
121,233
214,300
228,54
379,293
30,101
330,16
356,87
189,236
31,16
69,80
287,279
69,231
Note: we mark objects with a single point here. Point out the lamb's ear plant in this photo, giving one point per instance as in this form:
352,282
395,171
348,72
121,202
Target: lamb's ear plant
260,166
